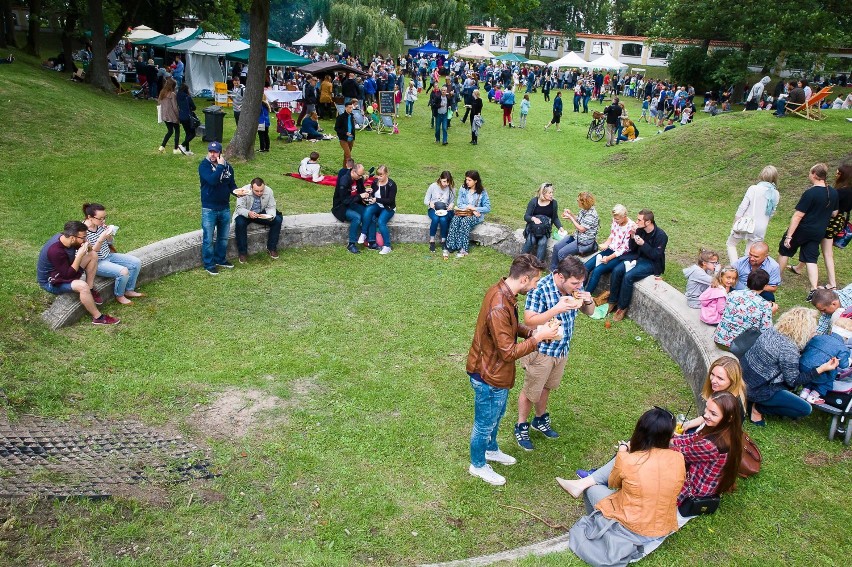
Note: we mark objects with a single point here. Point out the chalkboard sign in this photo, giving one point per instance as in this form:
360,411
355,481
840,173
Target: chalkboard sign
386,103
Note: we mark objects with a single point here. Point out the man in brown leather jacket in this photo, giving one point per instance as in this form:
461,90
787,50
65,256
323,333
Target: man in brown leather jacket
491,361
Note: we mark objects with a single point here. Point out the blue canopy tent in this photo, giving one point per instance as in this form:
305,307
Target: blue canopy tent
427,49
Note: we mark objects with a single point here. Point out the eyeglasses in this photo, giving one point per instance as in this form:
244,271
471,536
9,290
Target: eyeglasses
100,218
671,415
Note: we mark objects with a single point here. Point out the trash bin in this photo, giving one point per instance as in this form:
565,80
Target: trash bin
214,118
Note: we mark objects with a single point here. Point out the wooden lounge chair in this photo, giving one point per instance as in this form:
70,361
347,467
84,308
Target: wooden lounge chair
810,109
119,89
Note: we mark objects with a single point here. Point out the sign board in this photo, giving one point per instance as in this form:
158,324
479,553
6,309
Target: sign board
386,103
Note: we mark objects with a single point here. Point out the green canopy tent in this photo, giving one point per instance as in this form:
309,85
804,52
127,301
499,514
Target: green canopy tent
274,56
168,40
513,57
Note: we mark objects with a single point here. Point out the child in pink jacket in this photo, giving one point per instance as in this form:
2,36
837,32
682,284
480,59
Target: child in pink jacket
713,298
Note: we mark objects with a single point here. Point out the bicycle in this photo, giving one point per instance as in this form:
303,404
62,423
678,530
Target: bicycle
596,128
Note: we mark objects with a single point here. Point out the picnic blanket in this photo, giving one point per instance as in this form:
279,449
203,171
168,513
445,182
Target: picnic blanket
330,180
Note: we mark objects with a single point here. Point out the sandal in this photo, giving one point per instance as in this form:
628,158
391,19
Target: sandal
794,270
828,286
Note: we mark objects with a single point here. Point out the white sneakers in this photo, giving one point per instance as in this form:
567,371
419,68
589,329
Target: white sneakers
385,250
487,474
161,149
499,456
176,151
362,239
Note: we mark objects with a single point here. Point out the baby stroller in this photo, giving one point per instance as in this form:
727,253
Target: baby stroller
838,403
142,92
287,126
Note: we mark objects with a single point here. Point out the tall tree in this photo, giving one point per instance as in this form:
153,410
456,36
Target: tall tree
241,145
8,28
34,28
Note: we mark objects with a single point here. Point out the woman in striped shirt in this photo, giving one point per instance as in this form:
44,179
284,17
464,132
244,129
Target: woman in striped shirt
123,267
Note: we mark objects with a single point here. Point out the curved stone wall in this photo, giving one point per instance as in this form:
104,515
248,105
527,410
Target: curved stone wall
657,307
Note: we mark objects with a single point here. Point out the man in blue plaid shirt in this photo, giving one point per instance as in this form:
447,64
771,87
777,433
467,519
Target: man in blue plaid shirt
557,296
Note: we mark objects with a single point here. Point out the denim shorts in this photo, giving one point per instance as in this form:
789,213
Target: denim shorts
57,289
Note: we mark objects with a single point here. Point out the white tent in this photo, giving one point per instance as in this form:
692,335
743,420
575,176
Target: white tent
535,62
202,59
474,51
141,32
606,61
570,60
183,34
317,37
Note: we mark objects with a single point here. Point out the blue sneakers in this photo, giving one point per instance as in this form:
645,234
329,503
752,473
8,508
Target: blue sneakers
542,424
522,436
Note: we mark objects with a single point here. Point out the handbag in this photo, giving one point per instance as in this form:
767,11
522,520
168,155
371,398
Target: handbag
463,212
836,226
745,224
194,121
159,114
261,127
539,229
750,463
699,506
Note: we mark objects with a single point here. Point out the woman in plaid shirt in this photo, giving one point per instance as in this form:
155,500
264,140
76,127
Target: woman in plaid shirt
713,453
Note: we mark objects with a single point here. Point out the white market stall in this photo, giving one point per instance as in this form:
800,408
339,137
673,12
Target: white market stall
141,33
201,56
606,61
570,60
474,51
317,37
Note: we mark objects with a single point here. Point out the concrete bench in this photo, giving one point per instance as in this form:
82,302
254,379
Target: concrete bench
657,307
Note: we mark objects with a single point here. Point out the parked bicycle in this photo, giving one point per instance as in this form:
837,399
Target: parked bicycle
596,128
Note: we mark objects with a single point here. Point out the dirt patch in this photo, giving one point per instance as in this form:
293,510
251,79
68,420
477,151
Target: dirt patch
823,459
237,411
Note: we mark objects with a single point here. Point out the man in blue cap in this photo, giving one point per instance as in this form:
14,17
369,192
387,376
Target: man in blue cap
217,185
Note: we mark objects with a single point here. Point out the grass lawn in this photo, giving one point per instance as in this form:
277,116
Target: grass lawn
363,460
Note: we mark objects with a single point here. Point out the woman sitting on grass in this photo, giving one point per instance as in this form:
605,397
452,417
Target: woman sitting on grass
472,206
771,367
621,524
725,375
124,268
310,127
712,300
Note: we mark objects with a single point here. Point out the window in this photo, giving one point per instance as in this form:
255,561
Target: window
550,43
600,47
575,45
662,51
631,49
476,38
520,40
498,40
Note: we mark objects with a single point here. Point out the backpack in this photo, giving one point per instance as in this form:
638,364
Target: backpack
541,229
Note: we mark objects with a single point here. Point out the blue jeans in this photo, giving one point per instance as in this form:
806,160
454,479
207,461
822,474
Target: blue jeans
354,213
786,404
781,107
566,247
373,212
409,107
596,272
621,282
577,99
586,103
537,242
241,232
220,222
489,405
443,222
441,124
114,264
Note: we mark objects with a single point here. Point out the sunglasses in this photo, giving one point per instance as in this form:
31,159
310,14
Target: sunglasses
664,410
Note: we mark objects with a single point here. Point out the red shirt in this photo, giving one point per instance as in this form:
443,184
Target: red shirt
704,464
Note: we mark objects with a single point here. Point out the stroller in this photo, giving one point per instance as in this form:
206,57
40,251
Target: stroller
838,403
287,126
142,92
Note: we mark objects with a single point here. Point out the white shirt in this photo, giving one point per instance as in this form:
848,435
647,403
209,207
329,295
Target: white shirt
310,170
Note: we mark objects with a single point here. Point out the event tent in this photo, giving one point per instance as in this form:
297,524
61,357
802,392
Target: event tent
201,56
274,56
141,33
536,62
570,59
513,57
474,51
167,40
606,61
322,67
317,37
427,49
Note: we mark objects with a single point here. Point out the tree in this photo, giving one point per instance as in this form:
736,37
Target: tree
241,145
7,30
34,28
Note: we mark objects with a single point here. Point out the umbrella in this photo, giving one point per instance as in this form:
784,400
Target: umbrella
514,57
474,51
274,56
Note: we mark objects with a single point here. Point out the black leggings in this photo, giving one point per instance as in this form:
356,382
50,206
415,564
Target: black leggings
188,133
264,139
173,127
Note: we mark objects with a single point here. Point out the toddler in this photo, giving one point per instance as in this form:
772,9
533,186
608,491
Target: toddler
525,109
831,349
645,105
712,300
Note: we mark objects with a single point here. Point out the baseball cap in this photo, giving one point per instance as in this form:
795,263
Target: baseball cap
214,147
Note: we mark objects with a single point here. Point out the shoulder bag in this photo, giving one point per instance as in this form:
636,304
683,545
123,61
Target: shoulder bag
699,506
750,463
745,224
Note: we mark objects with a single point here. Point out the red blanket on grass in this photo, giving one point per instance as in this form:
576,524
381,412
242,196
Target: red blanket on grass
330,180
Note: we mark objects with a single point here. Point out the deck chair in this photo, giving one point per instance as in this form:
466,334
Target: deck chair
384,123
810,109
119,90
